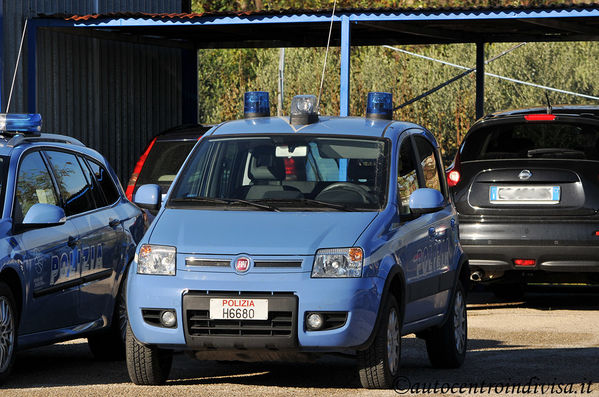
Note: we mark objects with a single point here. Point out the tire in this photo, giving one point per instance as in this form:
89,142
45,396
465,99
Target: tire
446,345
378,365
147,365
8,331
110,345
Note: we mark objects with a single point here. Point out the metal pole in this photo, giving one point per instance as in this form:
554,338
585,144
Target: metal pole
345,67
480,80
281,81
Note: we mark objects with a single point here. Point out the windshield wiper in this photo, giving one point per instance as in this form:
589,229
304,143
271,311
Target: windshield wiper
546,151
224,201
340,207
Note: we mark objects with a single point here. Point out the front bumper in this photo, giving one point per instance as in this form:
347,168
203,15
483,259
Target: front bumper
293,293
570,246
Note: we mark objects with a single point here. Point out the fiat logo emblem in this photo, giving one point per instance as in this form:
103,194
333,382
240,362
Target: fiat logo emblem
524,174
242,264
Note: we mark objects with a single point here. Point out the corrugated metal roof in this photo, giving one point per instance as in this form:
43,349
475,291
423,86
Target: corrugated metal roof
296,11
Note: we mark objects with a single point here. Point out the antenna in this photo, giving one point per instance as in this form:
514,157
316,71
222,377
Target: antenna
326,54
14,76
549,108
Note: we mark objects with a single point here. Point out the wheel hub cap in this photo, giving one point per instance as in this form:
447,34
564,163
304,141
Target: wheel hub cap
393,341
7,333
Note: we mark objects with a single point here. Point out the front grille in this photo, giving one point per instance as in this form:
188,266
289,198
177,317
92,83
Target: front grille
279,331
277,264
207,262
278,324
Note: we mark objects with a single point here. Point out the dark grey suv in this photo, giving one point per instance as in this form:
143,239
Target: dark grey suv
526,188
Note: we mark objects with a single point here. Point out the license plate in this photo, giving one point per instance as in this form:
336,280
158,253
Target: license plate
524,194
238,309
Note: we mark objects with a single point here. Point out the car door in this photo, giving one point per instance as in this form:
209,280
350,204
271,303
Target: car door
98,251
438,252
46,254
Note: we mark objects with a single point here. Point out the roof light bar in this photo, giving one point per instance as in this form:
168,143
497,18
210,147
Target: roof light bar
18,122
539,117
256,104
303,110
379,105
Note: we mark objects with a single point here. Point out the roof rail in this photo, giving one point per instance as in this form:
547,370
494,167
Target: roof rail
29,138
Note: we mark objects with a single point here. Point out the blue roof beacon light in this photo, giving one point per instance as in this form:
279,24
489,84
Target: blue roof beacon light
379,105
15,122
303,110
256,104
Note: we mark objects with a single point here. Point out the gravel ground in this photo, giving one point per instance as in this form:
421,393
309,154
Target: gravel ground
549,345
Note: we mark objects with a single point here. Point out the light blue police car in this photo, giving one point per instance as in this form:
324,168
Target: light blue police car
67,234
289,237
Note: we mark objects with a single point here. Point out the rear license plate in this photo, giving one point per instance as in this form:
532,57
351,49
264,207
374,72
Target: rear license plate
524,194
238,309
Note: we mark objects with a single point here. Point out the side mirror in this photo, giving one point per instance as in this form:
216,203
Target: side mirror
148,197
42,215
426,201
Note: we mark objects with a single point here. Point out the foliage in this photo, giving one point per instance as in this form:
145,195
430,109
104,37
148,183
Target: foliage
224,75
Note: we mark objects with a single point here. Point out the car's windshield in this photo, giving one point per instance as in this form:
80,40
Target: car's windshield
533,140
285,172
164,162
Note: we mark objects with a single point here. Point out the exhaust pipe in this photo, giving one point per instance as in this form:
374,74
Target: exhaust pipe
476,276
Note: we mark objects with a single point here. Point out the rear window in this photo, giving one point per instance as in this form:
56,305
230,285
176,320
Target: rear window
532,140
163,162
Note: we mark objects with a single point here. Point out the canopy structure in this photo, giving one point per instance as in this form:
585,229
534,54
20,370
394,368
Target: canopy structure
309,28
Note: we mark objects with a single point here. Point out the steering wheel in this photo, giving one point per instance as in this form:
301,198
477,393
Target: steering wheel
348,186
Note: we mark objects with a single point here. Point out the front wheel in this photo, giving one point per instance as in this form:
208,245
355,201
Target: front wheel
378,366
446,345
8,331
147,365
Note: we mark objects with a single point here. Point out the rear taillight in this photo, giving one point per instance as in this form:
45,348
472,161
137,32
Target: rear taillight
453,172
539,117
525,262
137,170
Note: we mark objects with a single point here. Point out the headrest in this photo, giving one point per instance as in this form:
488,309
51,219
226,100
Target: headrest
264,166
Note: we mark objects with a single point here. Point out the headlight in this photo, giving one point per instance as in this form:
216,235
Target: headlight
338,262
156,259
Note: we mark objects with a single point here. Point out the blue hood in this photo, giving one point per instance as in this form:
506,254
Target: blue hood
257,232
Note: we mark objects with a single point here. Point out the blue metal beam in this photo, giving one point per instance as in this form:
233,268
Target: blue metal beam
480,80
31,80
345,67
1,53
189,86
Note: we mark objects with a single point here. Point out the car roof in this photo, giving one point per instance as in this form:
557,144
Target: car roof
570,110
183,132
13,144
327,125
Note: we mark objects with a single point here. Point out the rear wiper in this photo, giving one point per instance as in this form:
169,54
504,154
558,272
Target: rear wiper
223,201
545,151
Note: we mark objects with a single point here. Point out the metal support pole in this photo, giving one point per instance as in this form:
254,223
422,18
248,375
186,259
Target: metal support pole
31,80
345,67
189,86
281,82
480,80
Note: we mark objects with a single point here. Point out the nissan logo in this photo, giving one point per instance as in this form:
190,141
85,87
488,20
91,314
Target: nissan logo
524,175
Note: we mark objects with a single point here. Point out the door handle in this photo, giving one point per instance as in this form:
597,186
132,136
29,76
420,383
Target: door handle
114,222
72,241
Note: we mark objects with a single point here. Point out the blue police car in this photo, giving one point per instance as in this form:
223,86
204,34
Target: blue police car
67,234
284,238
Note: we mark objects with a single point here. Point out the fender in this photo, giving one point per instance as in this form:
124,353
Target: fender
395,270
17,269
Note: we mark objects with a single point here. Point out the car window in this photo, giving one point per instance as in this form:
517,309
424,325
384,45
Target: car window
428,162
163,163
532,140
75,189
106,183
99,198
407,178
34,185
